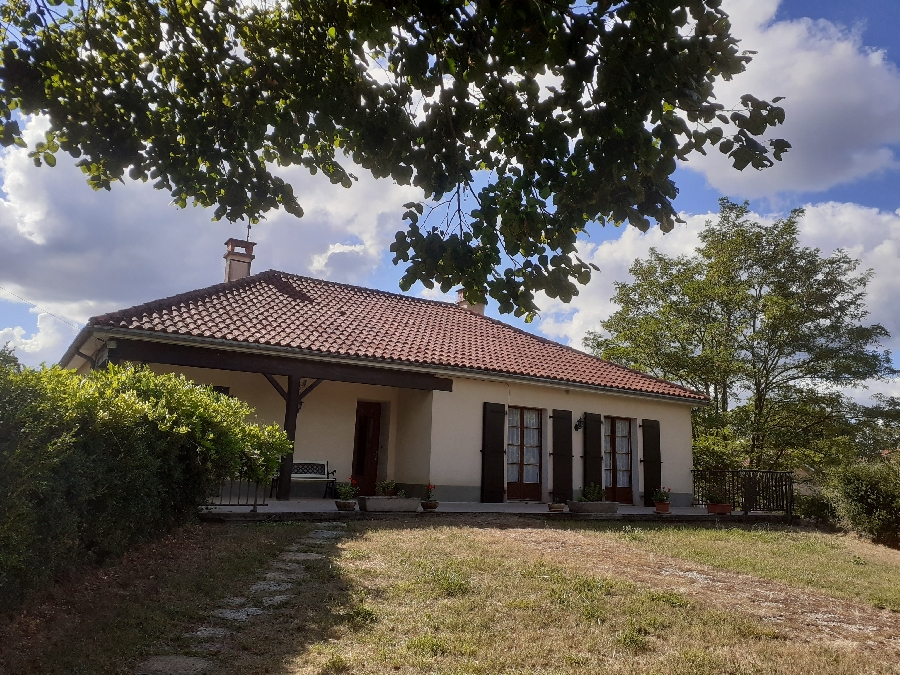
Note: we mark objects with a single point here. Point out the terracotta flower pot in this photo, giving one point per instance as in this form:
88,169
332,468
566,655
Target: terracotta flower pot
556,508
345,504
429,505
662,507
719,509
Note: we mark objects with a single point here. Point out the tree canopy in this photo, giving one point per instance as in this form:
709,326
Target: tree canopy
769,329
521,122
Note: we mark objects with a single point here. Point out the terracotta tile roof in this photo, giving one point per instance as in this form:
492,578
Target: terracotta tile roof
285,310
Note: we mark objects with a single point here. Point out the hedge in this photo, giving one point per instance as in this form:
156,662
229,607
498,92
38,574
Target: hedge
90,465
866,496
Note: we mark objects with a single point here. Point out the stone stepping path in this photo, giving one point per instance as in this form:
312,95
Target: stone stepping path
270,592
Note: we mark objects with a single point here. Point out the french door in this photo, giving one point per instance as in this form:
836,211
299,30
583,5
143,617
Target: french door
523,454
617,459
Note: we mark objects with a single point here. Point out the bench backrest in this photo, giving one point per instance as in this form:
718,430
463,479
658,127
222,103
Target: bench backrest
310,469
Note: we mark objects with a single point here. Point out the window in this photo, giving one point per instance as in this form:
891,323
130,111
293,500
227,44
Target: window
222,390
617,459
523,454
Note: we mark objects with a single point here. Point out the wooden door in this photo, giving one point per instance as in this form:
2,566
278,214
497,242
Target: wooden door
523,454
617,459
365,446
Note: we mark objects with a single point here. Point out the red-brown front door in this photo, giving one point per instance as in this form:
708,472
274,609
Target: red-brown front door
365,446
617,459
523,454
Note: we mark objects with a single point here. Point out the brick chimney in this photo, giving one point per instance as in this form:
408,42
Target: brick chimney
462,302
237,263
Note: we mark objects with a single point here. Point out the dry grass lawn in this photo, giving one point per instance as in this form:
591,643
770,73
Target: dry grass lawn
487,594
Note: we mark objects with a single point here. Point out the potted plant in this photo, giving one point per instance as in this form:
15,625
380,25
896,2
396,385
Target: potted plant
717,501
386,488
388,498
592,501
346,493
429,503
661,499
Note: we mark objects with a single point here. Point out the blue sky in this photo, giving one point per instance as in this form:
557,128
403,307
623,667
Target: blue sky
78,253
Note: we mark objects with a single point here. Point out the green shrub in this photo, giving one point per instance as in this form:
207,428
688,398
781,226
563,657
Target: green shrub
816,507
867,497
90,465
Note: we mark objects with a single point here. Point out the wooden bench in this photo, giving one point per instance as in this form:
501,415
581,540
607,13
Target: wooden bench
315,471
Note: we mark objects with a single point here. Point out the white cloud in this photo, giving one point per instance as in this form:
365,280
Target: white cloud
45,345
79,253
842,104
868,234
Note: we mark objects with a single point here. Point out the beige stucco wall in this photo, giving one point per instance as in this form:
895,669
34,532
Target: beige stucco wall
436,436
327,420
456,429
413,436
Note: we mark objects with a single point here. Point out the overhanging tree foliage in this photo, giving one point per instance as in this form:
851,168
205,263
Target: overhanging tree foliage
522,122
769,329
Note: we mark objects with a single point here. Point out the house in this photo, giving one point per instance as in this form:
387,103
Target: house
386,386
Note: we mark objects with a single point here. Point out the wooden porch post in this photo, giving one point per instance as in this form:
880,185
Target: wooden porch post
292,405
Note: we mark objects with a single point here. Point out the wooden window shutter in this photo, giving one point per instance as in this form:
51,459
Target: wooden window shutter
562,455
493,457
652,459
593,449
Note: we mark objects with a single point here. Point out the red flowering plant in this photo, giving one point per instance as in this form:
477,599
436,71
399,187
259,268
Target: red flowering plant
429,493
661,495
347,491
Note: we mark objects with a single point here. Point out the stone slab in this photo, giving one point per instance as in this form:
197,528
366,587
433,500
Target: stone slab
242,614
298,556
276,600
270,586
207,632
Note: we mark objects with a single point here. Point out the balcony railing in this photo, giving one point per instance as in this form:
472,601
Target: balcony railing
746,489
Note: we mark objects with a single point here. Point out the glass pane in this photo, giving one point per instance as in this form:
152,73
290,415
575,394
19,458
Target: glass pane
607,477
514,417
623,427
623,447
512,473
532,418
512,453
532,474
606,434
532,436
623,479
623,462
514,436
532,455
607,460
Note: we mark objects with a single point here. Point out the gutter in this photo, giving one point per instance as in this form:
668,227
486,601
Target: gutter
230,345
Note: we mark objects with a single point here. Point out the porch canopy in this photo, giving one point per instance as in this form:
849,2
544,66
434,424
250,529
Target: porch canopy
297,371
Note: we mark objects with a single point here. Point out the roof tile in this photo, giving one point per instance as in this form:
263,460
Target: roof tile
285,310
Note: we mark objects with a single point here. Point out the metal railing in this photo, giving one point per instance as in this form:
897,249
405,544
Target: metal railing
240,492
747,489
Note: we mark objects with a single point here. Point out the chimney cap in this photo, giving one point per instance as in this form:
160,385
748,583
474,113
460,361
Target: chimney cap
237,263
465,304
243,243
